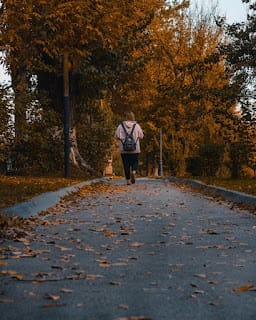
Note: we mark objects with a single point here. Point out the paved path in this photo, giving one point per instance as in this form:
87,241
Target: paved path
146,251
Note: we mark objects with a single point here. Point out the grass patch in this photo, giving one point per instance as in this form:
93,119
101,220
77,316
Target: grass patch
17,189
242,185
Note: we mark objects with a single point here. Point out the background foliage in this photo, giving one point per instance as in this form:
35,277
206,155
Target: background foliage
180,69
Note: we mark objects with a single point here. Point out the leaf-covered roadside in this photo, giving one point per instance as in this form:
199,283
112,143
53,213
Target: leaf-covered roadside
16,189
14,226
242,185
150,240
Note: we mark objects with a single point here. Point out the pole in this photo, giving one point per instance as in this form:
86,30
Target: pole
66,114
161,154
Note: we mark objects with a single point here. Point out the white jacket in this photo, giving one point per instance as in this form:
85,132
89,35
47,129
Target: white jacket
137,134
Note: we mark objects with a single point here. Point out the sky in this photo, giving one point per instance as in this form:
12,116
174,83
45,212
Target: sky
234,10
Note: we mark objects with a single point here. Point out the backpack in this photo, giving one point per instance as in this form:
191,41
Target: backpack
129,143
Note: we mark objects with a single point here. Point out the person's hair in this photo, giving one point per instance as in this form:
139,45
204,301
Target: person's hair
129,116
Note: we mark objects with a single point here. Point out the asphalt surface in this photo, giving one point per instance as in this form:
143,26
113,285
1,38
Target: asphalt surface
146,251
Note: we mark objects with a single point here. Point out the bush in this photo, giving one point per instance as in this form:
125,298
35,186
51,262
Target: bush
207,162
95,138
238,158
193,165
39,151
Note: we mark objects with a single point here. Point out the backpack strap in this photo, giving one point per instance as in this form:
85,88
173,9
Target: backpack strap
125,131
133,129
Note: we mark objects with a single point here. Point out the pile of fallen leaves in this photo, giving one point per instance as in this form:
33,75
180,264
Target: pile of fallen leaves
88,190
17,189
8,222
14,226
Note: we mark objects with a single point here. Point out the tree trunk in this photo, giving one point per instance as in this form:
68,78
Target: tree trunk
75,156
19,85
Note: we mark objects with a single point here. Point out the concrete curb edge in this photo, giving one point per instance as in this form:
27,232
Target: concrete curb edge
44,201
234,196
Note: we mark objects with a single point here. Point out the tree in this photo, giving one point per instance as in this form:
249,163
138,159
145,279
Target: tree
191,85
5,128
240,54
240,51
38,33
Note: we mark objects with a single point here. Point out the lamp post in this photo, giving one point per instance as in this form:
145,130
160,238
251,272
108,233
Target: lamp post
66,113
161,154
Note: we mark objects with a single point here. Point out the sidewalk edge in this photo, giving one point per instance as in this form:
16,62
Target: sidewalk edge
44,201
231,195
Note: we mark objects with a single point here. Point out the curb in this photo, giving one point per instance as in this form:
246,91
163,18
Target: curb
44,201
234,196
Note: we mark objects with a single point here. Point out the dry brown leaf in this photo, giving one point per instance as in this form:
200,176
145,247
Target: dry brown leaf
93,276
136,244
6,300
23,240
134,318
66,290
123,306
57,267
115,283
3,263
54,305
110,234
243,288
18,276
210,231
8,272
104,264
62,248
52,297
100,229
200,275
198,292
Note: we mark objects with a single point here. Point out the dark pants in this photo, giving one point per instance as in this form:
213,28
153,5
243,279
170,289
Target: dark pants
130,162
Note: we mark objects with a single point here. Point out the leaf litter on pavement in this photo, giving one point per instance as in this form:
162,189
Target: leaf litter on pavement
37,238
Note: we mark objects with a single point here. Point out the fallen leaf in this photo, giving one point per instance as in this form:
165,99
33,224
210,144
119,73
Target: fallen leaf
123,306
18,276
3,263
134,318
54,305
8,272
210,231
198,291
65,290
57,267
104,264
200,275
110,234
115,283
52,297
119,264
62,248
136,244
6,300
93,276
243,288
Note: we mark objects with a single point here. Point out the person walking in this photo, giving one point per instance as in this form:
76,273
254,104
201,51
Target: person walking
129,152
